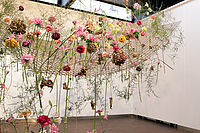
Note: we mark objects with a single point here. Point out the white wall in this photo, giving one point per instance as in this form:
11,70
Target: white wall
179,90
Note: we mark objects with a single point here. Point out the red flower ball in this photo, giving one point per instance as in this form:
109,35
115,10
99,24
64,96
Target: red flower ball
143,33
139,22
66,68
55,36
80,49
115,47
21,8
43,120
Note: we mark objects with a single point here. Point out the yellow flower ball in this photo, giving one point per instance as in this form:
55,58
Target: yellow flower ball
144,29
122,38
117,26
110,24
118,30
107,46
11,43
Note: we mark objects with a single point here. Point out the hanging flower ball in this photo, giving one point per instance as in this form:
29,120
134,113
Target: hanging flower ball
139,22
122,38
115,48
26,43
7,19
80,49
11,42
139,68
143,33
21,8
135,54
66,68
43,120
27,59
55,36
143,45
74,22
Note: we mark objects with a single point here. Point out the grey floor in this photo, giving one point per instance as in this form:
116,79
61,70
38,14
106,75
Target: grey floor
113,125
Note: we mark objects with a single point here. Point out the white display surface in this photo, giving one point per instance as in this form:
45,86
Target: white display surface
179,90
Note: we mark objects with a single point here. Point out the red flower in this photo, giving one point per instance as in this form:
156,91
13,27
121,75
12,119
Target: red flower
51,19
139,22
143,33
49,28
55,36
66,68
37,33
115,47
80,49
43,120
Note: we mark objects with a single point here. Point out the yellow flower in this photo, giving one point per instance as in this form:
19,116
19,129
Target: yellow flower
110,25
11,43
122,38
107,46
144,28
117,26
149,9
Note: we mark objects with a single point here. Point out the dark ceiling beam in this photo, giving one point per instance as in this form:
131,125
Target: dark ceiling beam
120,3
69,3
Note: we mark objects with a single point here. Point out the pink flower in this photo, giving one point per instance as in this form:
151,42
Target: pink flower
27,58
40,91
49,28
7,71
3,86
132,30
53,128
132,40
115,48
57,29
143,33
114,43
37,21
96,10
105,117
136,6
99,111
158,62
63,48
12,36
118,22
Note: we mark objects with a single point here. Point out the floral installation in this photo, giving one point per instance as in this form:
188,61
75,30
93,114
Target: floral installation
97,50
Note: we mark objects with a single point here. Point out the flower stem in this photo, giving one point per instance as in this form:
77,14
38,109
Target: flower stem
95,91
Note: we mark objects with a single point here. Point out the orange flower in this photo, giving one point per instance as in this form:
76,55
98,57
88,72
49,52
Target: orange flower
25,113
122,38
11,42
7,19
153,16
71,39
